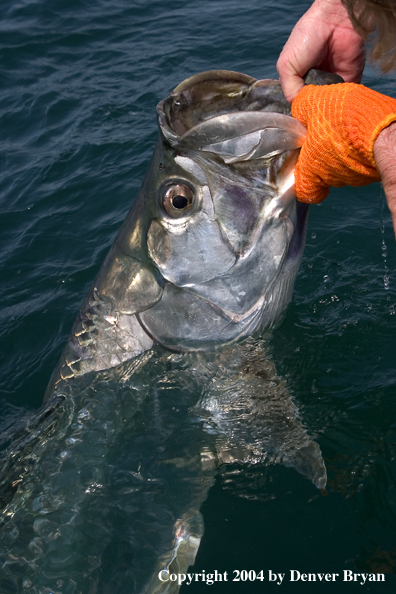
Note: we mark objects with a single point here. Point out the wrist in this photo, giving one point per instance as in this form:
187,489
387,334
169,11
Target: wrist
384,151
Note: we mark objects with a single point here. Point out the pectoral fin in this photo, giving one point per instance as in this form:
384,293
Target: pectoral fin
250,407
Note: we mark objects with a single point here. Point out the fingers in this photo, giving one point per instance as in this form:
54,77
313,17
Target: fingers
291,80
302,51
310,188
323,38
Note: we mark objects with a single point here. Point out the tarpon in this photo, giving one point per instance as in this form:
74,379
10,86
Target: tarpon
164,376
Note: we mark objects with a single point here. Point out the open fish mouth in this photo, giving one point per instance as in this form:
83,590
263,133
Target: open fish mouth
230,114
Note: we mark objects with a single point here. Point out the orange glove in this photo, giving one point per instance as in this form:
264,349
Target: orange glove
342,121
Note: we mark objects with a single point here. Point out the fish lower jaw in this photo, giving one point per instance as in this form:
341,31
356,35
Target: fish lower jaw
207,326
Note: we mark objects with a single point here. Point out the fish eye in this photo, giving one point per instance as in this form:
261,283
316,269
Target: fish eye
177,199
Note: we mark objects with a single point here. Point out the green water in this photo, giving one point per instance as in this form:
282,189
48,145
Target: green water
80,82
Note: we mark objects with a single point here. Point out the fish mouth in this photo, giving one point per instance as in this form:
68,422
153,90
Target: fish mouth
233,115
214,93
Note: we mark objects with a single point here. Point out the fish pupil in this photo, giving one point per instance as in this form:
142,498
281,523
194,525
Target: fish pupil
179,201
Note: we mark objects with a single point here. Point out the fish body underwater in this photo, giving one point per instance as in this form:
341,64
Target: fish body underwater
164,377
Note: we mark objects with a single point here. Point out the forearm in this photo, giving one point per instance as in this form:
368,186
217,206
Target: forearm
385,160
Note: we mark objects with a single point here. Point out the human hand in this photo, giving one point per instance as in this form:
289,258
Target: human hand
348,141
323,38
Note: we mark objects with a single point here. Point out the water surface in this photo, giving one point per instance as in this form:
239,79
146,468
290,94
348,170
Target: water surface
80,82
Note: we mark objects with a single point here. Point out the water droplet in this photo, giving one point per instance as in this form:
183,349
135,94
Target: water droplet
383,244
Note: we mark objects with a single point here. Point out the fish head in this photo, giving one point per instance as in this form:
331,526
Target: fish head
224,230
210,250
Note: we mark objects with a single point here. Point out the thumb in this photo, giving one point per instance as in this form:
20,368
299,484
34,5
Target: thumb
291,82
310,188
